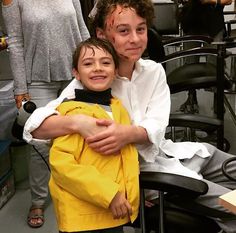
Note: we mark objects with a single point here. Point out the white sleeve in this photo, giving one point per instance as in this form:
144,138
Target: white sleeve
40,114
156,116
158,109
36,119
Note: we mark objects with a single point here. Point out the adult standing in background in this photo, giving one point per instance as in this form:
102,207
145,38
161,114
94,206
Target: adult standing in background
42,38
202,17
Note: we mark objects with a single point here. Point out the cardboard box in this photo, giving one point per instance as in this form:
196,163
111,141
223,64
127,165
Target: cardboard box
20,157
8,109
7,188
228,200
5,163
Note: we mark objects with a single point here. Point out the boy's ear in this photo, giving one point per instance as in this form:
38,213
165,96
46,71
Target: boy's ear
75,74
100,33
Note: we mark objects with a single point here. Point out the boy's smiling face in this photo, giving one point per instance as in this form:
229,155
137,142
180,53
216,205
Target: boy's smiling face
126,31
96,69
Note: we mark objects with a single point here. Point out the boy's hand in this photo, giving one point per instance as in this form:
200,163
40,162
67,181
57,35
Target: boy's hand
149,204
109,141
86,125
119,206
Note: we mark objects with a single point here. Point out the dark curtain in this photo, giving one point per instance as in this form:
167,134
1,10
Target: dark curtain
87,6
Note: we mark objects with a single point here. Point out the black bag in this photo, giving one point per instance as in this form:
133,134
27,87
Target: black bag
198,18
190,16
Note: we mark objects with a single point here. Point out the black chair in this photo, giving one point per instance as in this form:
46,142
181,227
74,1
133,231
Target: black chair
224,168
231,38
176,211
230,33
171,215
175,193
200,75
167,27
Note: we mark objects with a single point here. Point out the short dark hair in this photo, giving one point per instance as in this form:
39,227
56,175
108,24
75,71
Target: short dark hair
143,8
98,43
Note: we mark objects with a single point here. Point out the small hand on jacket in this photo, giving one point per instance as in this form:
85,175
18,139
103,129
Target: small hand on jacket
110,140
120,207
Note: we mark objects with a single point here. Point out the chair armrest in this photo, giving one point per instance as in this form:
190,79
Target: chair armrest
188,38
231,21
200,51
204,123
224,168
229,12
172,183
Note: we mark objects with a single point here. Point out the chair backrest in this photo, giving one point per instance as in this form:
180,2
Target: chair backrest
205,75
166,19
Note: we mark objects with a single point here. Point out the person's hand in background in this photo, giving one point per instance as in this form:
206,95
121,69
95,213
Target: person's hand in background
20,98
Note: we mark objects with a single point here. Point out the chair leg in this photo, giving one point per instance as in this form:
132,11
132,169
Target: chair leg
161,212
142,211
191,104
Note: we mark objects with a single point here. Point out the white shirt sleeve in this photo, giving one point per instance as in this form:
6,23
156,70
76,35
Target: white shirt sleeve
157,110
154,110
40,114
155,119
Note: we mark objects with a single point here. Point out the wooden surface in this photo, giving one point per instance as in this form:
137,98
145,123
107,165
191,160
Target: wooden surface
228,200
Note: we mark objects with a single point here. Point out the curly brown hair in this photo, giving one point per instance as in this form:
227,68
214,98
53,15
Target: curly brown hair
97,43
143,8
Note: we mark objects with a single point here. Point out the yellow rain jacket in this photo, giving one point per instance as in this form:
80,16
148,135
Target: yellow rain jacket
83,182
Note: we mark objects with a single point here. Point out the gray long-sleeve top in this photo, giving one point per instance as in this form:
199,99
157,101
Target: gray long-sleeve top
43,35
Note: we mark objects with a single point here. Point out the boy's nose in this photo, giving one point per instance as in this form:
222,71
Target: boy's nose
134,37
97,66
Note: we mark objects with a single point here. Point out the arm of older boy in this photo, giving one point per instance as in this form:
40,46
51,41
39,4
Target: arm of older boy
57,125
120,207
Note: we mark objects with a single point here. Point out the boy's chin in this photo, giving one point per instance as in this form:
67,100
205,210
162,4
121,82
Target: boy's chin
131,58
135,59
99,89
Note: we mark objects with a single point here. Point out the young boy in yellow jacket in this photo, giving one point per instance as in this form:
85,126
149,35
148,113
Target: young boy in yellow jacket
91,191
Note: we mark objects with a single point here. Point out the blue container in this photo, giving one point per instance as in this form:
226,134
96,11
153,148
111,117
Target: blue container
7,188
5,163
8,109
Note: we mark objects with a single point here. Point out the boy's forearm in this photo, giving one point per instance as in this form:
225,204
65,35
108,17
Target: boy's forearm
138,135
55,126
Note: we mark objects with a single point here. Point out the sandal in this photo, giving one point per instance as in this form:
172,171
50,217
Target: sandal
35,217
